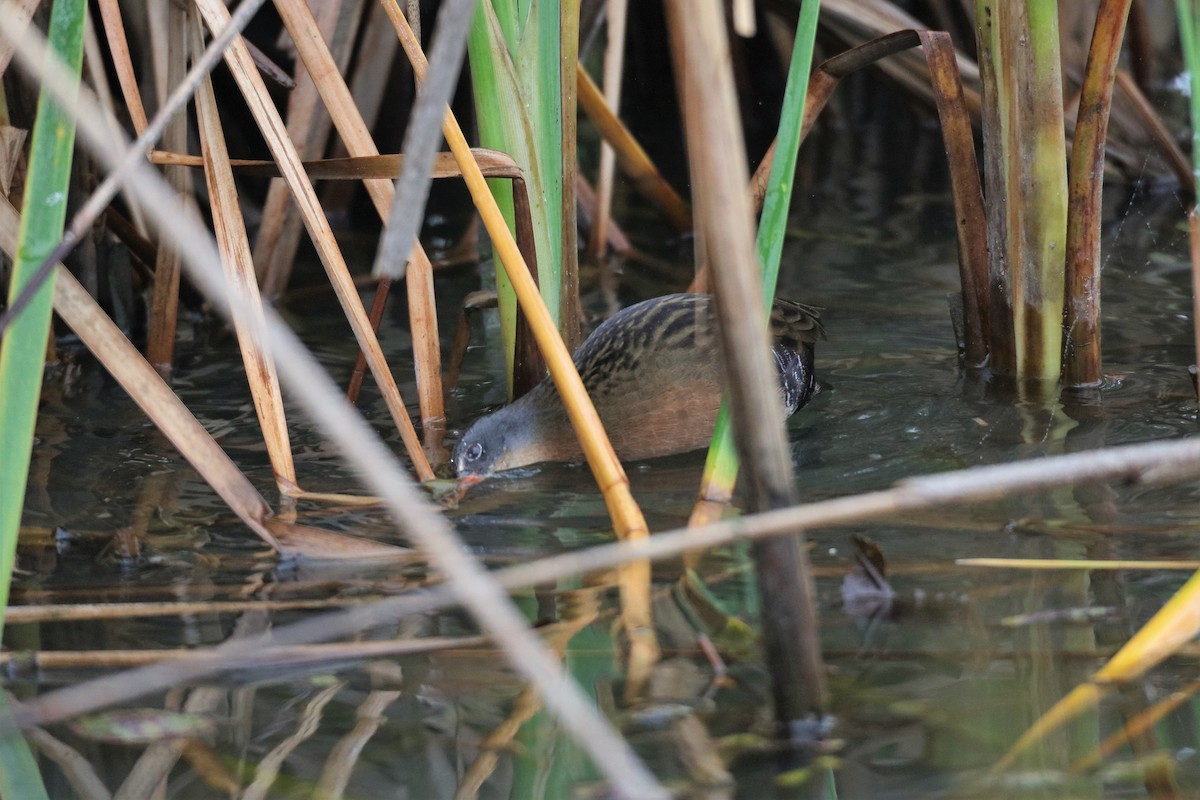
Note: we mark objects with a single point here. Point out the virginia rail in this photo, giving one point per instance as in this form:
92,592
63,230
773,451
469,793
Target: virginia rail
652,370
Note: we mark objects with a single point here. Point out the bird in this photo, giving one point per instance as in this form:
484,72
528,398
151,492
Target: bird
653,373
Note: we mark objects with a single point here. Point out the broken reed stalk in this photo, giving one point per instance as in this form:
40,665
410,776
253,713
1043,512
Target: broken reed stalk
614,67
718,162
234,245
632,159
1188,12
626,516
267,116
93,60
372,460
1081,317
1025,175
969,217
571,319
427,354
164,299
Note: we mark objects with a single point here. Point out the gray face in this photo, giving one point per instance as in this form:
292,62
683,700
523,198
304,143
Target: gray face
487,445
471,455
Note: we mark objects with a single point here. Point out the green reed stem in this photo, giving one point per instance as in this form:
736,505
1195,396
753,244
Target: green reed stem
1189,35
23,349
515,52
1026,181
721,466
19,774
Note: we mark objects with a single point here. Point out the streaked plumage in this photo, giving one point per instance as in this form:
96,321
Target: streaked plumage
654,374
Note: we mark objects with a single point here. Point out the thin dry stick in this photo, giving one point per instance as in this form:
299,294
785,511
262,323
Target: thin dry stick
234,246
267,116
374,462
307,656
64,612
99,81
493,163
356,135
118,45
630,155
614,65
725,225
1081,313
602,459
1152,123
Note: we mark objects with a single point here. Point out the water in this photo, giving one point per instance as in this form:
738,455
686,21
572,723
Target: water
928,695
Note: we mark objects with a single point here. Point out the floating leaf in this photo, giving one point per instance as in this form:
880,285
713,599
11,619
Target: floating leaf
143,726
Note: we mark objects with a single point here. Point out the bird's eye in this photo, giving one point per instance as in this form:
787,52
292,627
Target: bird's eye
474,452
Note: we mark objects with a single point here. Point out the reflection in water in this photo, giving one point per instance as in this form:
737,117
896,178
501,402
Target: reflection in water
927,695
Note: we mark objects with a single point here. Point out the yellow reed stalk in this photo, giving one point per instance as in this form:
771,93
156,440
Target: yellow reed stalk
627,517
